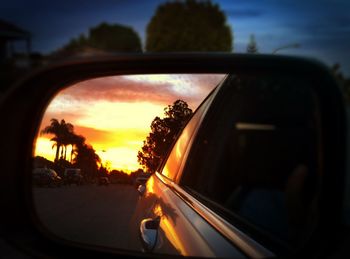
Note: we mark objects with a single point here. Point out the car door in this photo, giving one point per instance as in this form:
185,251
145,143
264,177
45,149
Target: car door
243,177
186,226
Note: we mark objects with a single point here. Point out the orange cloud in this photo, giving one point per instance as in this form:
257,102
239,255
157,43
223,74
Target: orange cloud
164,90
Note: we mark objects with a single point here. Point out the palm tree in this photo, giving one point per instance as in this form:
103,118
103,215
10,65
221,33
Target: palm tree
87,160
61,131
76,141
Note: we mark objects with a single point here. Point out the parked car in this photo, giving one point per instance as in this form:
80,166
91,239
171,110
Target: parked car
46,177
103,181
73,176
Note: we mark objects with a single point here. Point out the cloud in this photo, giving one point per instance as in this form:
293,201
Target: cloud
191,88
120,89
94,135
59,115
117,111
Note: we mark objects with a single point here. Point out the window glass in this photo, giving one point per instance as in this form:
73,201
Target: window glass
257,159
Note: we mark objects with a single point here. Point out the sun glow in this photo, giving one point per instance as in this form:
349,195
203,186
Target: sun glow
43,147
114,114
115,130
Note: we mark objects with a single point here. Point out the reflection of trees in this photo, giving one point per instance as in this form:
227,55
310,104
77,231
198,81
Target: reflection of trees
150,206
163,133
85,156
164,209
75,141
61,131
87,160
153,205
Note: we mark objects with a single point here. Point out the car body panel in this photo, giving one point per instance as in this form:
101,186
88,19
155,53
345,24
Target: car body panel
199,226
182,231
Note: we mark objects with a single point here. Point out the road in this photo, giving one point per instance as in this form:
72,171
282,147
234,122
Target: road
90,214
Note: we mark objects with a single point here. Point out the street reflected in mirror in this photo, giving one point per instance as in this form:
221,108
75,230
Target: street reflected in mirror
94,148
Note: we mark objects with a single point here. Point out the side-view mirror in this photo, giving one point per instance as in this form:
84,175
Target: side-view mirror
141,189
243,155
149,233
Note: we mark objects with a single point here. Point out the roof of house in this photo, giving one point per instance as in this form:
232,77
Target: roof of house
12,32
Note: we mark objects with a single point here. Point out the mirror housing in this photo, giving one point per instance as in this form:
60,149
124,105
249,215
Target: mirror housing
24,104
149,233
141,189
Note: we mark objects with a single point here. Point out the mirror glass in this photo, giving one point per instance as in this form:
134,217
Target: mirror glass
87,166
246,147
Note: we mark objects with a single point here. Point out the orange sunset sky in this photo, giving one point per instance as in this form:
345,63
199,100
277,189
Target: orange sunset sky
115,113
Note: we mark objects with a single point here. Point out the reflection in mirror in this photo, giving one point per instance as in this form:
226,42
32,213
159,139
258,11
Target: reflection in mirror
99,140
105,163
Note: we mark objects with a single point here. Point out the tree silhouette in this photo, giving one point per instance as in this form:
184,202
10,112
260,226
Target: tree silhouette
162,135
85,156
76,44
75,141
115,38
87,160
106,37
61,131
188,26
252,47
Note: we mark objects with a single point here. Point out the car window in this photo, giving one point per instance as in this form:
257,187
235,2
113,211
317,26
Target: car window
257,160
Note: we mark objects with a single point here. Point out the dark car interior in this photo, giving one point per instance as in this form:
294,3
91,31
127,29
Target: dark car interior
267,174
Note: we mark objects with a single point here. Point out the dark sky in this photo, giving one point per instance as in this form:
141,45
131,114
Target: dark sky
321,27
